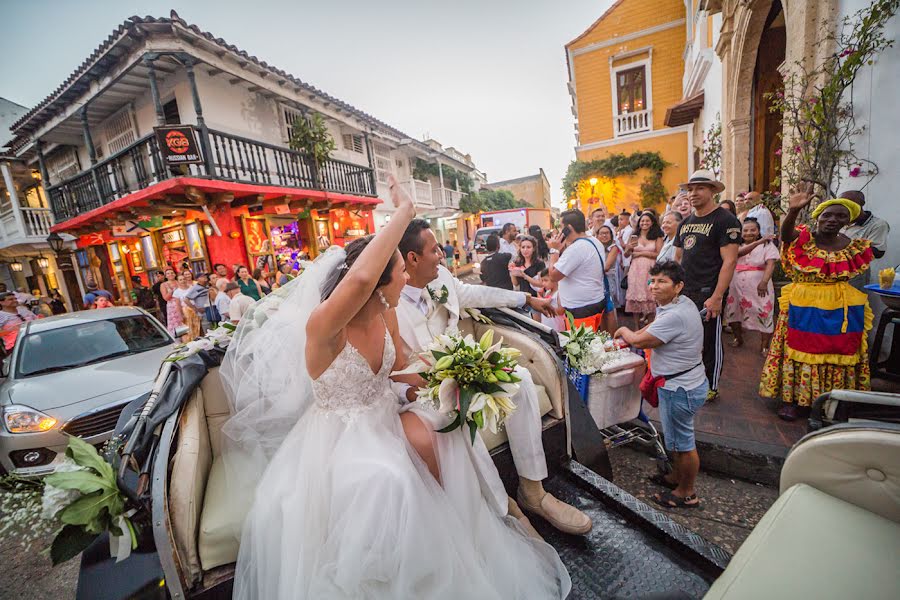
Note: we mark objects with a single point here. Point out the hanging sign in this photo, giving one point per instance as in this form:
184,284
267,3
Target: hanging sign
178,145
130,228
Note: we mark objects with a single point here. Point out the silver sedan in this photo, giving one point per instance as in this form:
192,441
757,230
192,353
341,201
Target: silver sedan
72,375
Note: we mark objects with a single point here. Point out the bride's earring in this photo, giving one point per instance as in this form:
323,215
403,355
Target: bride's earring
384,301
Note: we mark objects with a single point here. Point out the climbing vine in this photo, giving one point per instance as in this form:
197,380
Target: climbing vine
619,165
817,104
423,169
711,149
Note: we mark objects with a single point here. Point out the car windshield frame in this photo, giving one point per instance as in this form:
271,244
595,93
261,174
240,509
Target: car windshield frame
480,245
22,354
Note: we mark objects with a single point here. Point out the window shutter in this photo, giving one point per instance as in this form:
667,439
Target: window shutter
353,142
290,115
63,164
119,131
383,164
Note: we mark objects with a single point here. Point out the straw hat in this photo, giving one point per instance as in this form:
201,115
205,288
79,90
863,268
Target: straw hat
705,177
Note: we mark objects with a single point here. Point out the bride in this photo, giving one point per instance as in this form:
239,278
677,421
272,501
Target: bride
342,505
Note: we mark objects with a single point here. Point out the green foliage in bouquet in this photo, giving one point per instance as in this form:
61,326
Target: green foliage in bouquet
472,382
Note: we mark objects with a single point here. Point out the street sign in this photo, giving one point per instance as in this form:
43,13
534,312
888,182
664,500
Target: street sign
178,144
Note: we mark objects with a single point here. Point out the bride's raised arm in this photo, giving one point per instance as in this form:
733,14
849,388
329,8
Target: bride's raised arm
357,286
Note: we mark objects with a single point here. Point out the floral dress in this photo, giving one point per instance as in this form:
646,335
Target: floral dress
820,339
637,297
745,305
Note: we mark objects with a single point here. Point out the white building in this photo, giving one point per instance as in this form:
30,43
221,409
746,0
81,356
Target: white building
26,260
94,140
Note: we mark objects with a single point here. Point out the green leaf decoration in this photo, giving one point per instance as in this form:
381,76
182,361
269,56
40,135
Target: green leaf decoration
87,509
86,455
454,425
478,417
71,541
473,431
85,482
465,399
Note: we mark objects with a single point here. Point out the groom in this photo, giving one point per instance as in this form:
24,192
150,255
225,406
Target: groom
430,304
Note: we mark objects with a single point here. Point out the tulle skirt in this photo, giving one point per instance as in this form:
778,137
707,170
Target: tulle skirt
347,509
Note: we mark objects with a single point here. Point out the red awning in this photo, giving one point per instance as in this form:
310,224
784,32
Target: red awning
179,185
685,111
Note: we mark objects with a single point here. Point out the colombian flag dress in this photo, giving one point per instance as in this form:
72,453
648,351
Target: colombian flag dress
820,339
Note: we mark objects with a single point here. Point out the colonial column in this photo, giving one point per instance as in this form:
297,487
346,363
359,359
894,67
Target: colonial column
189,62
13,196
148,59
370,153
42,166
95,177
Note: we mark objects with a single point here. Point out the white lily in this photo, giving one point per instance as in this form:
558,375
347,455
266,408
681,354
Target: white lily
477,403
448,395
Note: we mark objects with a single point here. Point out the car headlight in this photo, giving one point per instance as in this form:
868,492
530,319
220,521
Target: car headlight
24,419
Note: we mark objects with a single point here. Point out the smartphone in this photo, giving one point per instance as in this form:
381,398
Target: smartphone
566,231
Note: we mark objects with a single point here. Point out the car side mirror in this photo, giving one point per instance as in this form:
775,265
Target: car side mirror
181,331
4,366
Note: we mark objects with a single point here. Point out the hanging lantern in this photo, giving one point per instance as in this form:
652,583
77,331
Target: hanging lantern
16,266
43,263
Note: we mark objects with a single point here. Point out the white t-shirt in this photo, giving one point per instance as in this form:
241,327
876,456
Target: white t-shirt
238,306
557,322
508,247
583,270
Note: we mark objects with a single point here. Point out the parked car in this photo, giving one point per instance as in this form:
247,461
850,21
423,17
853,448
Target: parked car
480,245
73,374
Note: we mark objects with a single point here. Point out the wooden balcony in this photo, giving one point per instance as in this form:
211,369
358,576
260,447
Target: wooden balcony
231,158
420,192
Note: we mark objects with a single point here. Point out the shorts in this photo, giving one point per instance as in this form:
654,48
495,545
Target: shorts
676,411
450,262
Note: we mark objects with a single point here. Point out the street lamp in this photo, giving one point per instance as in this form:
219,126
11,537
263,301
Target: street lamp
43,263
593,181
56,243
16,266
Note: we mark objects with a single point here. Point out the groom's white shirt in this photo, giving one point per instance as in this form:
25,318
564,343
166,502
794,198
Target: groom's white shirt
421,318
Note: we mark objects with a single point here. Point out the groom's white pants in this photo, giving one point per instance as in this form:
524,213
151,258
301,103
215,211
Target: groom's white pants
524,430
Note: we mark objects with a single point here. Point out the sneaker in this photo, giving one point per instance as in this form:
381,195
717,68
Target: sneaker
712,396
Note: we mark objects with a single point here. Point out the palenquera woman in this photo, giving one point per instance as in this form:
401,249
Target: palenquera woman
820,339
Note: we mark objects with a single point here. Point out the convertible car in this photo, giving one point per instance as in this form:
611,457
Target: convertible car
171,471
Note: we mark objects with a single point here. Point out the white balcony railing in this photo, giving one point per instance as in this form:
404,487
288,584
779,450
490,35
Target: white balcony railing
420,191
446,198
36,223
633,122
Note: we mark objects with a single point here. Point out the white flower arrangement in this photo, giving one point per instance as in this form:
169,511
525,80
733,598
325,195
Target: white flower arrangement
471,382
217,337
591,352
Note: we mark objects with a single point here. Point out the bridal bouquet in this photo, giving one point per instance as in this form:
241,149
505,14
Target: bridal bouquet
471,382
588,351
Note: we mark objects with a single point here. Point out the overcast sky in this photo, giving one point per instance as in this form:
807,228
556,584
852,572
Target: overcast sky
487,77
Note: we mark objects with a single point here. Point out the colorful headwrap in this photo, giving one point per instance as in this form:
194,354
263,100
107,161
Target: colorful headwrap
850,205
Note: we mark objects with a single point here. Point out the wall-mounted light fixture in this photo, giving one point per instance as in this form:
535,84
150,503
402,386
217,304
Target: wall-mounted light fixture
43,263
16,266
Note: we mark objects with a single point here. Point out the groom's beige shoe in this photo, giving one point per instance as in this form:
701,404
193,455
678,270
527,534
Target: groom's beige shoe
564,517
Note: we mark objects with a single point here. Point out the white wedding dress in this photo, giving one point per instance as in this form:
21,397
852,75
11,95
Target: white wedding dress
347,509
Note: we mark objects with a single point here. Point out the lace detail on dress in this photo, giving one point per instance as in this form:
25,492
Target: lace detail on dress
348,386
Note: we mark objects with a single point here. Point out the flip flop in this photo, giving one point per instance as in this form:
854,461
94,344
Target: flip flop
670,500
660,480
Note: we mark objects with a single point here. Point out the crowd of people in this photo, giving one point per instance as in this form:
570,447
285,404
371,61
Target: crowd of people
705,269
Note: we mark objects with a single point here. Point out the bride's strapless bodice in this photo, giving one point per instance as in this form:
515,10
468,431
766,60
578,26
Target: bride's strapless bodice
348,385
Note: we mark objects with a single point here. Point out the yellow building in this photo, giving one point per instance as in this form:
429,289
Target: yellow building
625,73
534,189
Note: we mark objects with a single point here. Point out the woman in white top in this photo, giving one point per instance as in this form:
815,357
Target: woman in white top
669,226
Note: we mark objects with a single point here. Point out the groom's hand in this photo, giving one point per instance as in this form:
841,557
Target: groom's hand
542,305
